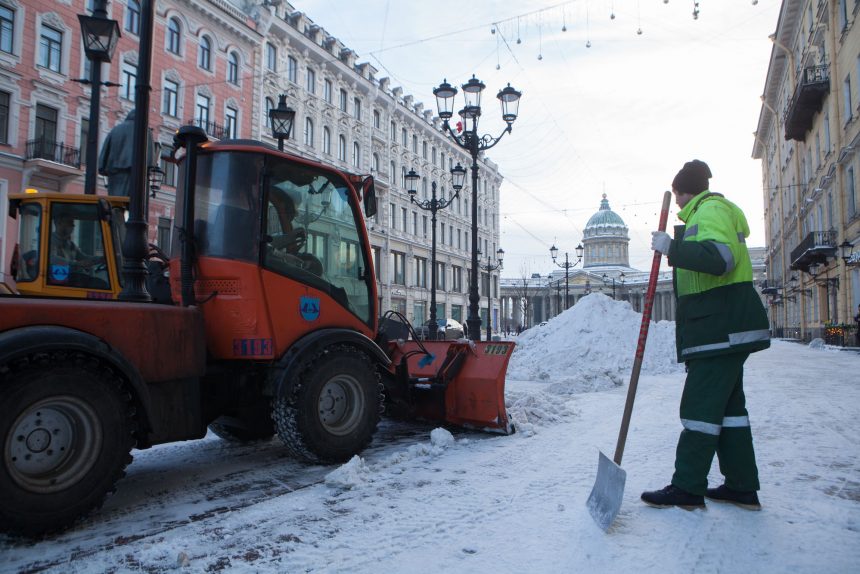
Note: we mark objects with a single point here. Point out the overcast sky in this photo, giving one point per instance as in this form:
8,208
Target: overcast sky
620,116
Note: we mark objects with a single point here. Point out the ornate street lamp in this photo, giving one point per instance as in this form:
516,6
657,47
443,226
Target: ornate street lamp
846,249
607,278
469,140
433,205
489,268
282,119
100,36
567,266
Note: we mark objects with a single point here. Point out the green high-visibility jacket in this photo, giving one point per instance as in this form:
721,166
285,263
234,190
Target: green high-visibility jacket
718,309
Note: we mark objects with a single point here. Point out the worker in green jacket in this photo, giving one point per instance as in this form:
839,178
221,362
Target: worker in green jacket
720,320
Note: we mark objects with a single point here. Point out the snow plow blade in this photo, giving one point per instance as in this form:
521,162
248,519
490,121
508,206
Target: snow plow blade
457,382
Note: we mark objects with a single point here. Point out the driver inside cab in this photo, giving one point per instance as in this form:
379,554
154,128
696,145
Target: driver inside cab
66,259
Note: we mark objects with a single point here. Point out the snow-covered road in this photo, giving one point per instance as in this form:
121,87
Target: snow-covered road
422,501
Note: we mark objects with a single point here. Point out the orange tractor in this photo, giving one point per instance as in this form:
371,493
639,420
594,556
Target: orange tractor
271,325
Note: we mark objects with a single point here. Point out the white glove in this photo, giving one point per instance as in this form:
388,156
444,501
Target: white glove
661,241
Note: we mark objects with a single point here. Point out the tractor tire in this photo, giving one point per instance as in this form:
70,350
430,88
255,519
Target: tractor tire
330,412
244,429
67,428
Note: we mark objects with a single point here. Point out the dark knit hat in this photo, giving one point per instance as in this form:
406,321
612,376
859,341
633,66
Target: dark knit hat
693,178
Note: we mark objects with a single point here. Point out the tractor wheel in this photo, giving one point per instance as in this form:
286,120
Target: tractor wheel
331,411
66,431
246,427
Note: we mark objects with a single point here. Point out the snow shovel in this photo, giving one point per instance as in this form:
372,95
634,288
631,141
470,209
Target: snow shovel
608,492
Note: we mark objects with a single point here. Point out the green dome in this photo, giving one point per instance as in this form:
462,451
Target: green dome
605,217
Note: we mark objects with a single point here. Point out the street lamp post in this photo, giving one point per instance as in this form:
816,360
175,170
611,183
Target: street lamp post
433,205
489,268
607,277
474,144
282,119
100,36
567,266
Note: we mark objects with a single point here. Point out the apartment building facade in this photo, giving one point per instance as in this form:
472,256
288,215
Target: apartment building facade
222,65
808,140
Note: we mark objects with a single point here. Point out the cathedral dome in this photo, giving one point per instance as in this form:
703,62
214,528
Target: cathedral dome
605,221
605,239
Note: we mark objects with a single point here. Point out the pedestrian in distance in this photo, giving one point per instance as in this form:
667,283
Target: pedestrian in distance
857,326
720,320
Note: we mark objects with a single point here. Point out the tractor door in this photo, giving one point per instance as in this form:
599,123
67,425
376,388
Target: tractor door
317,264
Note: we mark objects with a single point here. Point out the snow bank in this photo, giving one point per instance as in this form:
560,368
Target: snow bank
590,347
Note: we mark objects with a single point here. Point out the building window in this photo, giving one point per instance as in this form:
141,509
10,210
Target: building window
393,131
851,191
309,132
404,138
171,98
343,99
414,144
46,126
424,149
7,29
356,108
271,57
440,276
270,105
377,119
231,122
391,217
341,148
420,272
311,82
846,96
233,68
204,55
132,17
292,69
163,235
4,117
326,142
399,268
174,36
356,154
50,48
169,167
202,111
374,163
128,80
457,280
327,91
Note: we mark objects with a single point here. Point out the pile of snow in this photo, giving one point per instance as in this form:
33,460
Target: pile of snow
591,347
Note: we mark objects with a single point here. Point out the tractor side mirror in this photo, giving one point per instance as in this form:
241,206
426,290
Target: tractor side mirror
370,206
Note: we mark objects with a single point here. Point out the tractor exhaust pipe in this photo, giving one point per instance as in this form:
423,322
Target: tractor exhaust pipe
188,137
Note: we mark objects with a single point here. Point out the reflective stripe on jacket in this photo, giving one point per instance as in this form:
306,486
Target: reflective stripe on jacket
718,309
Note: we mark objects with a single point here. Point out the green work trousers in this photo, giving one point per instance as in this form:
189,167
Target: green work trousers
715,420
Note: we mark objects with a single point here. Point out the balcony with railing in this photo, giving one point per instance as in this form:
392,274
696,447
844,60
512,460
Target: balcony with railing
53,158
213,130
817,247
54,151
808,98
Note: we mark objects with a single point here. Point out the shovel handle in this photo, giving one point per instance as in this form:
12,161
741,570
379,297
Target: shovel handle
643,336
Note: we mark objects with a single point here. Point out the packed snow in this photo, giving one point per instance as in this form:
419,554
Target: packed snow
426,499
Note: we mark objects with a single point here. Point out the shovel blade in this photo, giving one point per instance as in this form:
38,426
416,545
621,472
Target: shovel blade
608,492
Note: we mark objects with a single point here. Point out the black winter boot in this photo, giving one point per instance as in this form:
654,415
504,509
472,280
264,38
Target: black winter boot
723,493
673,496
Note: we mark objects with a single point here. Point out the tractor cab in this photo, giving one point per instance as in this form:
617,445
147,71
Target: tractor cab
280,249
66,244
